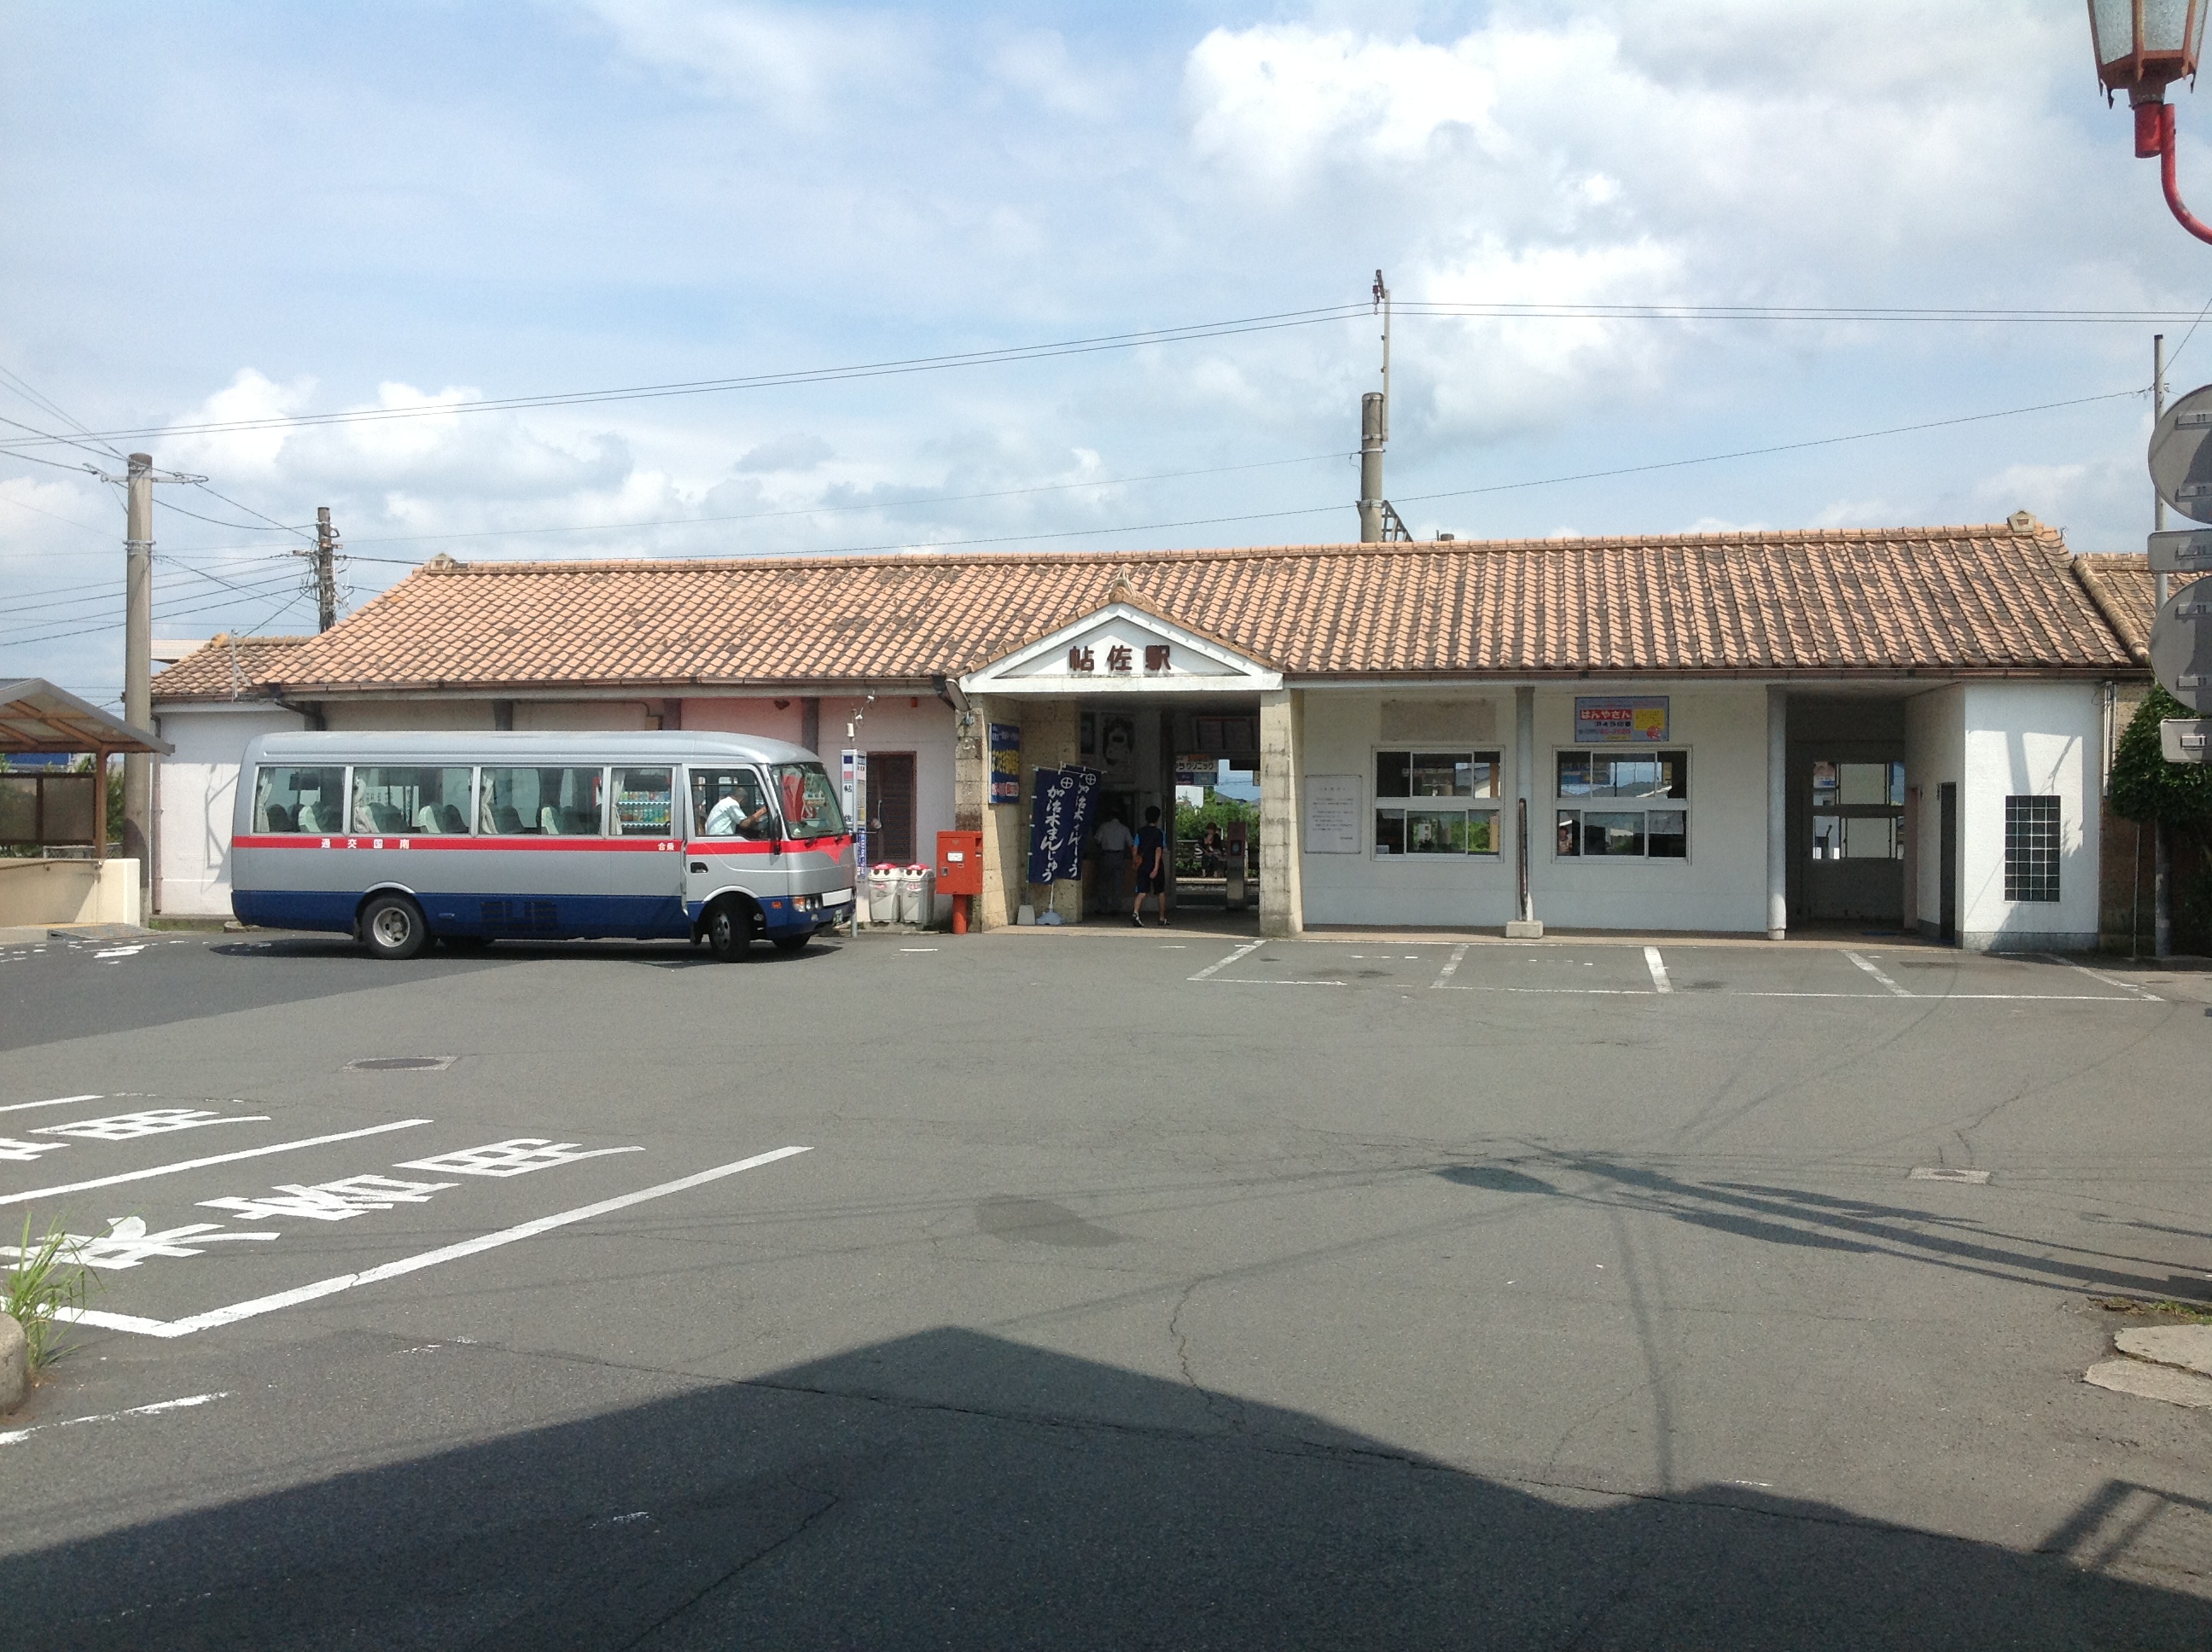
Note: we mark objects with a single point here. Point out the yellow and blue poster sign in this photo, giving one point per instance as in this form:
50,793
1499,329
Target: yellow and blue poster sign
1620,720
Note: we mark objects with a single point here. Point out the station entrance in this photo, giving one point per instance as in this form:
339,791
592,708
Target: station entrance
1198,763
1849,831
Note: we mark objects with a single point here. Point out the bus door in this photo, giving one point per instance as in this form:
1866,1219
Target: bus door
733,832
646,866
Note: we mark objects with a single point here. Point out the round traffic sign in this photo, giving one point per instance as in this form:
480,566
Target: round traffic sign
2181,645
2181,455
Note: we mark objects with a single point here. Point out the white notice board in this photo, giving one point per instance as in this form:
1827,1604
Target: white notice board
1333,805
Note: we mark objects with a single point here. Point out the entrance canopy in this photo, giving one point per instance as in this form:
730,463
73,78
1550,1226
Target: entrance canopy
1123,648
35,716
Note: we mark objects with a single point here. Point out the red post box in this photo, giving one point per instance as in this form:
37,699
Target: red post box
960,872
960,863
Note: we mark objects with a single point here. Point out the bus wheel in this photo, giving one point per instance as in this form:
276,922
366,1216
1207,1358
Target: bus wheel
392,927
792,942
730,930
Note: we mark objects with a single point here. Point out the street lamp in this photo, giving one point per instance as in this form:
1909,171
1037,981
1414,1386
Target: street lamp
2144,45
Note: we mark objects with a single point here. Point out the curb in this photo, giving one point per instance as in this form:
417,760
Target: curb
15,1364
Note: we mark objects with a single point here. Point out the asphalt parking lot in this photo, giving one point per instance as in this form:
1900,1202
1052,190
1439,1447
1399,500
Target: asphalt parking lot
1112,1289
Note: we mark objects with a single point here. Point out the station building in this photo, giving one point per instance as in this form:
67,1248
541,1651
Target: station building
1745,732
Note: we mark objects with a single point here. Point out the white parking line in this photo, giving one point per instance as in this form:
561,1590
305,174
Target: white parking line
1245,951
58,1101
1451,966
1657,966
198,1163
14,1436
331,1287
1895,990
2108,981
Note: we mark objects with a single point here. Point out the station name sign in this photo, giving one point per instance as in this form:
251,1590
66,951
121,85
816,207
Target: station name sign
1618,720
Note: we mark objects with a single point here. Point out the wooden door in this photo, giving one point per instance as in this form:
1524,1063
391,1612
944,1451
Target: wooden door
890,808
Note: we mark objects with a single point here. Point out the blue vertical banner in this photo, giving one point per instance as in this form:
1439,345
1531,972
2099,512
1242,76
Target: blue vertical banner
1006,762
1060,811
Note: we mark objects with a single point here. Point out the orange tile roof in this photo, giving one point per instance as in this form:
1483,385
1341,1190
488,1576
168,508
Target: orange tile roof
1992,599
226,668
2125,591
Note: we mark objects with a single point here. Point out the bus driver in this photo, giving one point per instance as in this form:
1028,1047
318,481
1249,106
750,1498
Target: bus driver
728,818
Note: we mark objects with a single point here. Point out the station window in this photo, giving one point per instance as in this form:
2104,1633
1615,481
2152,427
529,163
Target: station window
542,802
1432,803
2031,848
288,799
643,802
1858,811
411,799
1594,787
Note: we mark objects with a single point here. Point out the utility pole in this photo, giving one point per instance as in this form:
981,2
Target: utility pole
1374,434
138,666
2161,903
2157,412
327,581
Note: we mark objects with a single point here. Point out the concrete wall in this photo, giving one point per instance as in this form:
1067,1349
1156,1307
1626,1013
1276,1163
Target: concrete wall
921,724
196,789
1934,754
36,892
2030,739
1722,886
781,719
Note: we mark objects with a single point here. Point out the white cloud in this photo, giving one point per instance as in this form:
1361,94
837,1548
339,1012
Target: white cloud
804,65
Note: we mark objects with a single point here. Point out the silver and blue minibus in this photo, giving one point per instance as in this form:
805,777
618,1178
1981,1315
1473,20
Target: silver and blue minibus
401,838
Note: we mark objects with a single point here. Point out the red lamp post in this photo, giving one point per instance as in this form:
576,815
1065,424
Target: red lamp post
2143,46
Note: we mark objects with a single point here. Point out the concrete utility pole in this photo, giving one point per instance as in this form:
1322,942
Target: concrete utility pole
2161,902
1375,433
2157,412
138,664
327,579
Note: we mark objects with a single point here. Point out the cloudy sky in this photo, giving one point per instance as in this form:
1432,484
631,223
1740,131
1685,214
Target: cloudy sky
242,212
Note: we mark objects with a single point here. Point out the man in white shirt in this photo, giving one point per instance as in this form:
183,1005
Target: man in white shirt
1114,839
728,818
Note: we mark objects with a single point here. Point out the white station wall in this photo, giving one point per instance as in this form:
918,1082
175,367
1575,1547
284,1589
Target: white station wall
2032,739
198,789
1722,886
1935,756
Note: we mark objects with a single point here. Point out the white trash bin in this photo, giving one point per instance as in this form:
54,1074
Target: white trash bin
918,896
883,895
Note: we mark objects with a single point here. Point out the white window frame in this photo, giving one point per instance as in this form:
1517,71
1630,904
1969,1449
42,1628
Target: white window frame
1493,805
1585,805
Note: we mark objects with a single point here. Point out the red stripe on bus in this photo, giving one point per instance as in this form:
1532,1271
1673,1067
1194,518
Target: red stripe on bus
412,842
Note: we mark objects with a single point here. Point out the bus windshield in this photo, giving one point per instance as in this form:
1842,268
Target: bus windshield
810,806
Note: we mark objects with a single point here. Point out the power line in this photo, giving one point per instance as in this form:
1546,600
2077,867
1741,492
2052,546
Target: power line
30,393
116,625
1500,487
827,510
1180,334
764,381
1661,312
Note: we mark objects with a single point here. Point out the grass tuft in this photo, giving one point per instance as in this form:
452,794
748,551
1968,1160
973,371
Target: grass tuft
45,1278
2165,1305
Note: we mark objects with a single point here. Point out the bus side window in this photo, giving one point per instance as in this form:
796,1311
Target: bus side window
541,802
643,802
412,798
287,800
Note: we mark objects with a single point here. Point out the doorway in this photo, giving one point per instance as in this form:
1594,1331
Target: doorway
890,808
1946,803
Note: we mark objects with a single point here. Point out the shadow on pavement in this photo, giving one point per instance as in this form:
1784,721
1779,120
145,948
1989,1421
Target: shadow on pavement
952,1489
1804,1219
